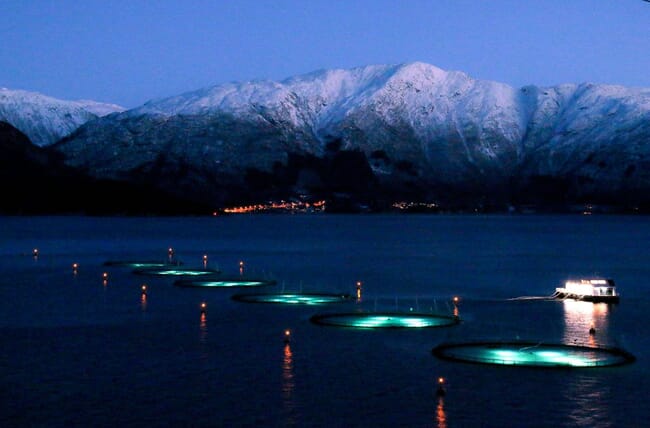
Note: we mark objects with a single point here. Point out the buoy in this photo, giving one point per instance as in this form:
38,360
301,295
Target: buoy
143,297
105,275
592,330
205,261
456,300
359,286
241,267
75,267
287,336
35,253
440,392
204,307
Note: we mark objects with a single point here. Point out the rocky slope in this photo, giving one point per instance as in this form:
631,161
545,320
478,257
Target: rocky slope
45,119
38,182
403,130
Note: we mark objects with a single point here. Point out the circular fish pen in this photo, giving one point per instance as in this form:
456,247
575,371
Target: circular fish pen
175,271
140,264
532,354
384,320
216,282
293,298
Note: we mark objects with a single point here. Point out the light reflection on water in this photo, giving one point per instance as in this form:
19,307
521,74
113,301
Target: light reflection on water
143,303
288,386
590,400
589,397
580,317
203,328
441,416
203,337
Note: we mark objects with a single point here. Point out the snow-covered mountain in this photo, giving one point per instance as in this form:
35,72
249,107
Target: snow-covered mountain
45,119
416,124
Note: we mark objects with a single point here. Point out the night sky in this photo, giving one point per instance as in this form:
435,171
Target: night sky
128,52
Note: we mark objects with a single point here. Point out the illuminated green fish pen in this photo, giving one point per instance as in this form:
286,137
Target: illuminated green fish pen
293,298
216,282
141,264
531,354
175,271
385,320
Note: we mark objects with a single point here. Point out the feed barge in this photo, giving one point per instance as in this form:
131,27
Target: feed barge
589,290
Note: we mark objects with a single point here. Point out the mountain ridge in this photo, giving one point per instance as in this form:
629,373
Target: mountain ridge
45,119
40,183
417,127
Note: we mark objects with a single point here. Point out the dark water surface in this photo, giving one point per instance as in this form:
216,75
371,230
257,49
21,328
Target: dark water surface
76,352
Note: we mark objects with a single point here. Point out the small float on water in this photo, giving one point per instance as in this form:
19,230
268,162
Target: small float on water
590,290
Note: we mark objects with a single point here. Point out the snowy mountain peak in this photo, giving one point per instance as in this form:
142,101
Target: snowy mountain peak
98,108
324,95
420,70
45,119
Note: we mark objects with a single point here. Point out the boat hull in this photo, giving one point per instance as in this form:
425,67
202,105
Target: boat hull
587,298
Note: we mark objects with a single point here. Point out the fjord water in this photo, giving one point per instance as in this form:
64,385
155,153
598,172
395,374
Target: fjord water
77,352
